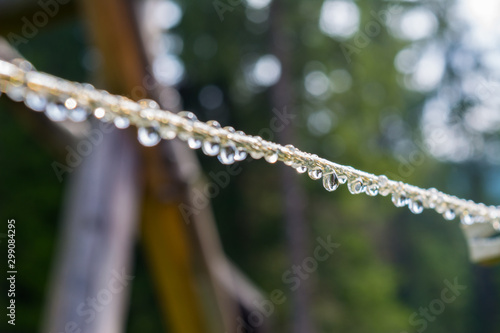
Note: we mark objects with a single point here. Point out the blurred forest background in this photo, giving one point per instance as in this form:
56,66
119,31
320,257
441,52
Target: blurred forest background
409,89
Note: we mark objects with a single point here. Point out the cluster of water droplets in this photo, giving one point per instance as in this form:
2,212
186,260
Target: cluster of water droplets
61,107
227,152
56,109
82,100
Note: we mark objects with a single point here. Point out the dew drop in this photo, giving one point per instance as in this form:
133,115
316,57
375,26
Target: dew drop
78,115
35,101
240,155
356,186
330,182
433,197
25,65
99,113
210,148
149,104
342,178
416,206
372,189
271,157
383,182
167,132
256,154
16,93
184,136
449,214
301,169
70,103
315,173
440,206
121,122
399,200
188,115
214,123
226,155
148,136
194,143
56,112
466,219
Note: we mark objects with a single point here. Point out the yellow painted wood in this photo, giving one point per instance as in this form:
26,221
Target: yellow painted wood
166,242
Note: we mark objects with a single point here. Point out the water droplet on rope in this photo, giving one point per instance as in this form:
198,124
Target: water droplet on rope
56,112
383,183
399,199
432,198
449,214
240,155
214,123
148,104
35,101
226,155
78,115
15,93
121,122
194,143
342,178
440,206
148,136
315,173
271,157
416,206
167,132
256,154
301,169
372,189
466,218
210,148
70,103
188,115
330,182
356,186
99,113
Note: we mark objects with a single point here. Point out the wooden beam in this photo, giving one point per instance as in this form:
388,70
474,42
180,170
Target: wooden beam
173,263
92,275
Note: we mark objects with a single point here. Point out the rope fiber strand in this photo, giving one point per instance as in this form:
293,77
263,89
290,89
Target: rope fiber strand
60,100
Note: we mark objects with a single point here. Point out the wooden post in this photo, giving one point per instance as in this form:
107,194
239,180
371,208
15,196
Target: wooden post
92,275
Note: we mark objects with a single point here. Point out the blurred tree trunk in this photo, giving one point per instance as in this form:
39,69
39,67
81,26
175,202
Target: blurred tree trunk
297,230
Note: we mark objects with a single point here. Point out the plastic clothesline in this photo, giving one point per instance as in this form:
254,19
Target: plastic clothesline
63,100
